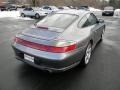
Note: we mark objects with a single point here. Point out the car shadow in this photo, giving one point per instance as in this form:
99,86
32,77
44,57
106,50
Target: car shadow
36,79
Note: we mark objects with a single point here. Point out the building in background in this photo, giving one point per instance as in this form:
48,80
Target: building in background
1,2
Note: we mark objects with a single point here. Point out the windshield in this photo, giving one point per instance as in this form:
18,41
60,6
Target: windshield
57,20
84,7
108,8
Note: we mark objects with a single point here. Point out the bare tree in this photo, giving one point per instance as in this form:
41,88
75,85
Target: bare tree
95,3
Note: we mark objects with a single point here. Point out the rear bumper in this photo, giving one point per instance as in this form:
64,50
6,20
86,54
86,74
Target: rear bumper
50,69
48,61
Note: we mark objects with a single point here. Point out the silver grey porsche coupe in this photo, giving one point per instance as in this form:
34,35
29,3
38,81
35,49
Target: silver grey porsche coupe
60,41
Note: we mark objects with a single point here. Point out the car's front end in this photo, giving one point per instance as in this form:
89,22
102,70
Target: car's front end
108,11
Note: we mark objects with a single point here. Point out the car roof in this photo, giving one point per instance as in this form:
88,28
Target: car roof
75,12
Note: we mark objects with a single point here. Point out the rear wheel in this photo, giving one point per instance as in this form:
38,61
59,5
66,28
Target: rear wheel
102,35
37,16
87,55
112,14
103,14
22,15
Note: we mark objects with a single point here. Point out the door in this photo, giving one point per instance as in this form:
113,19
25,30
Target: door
47,9
29,12
97,28
84,30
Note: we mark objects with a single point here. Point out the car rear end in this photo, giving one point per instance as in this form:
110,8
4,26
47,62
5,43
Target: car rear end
46,53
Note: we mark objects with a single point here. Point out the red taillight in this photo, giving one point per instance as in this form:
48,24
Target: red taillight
45,47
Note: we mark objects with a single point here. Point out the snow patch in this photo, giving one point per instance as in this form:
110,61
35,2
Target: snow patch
23,18
94,9
117,13
4,14
12,14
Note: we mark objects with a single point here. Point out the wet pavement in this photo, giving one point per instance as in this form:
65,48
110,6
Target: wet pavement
102,73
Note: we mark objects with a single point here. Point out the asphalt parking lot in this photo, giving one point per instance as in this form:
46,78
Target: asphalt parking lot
102,73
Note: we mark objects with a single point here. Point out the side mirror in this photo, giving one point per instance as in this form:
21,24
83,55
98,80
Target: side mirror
100,21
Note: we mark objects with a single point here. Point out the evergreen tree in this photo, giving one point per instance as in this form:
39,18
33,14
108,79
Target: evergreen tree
115,3
112,2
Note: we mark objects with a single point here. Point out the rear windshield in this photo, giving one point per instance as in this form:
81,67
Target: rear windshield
61,21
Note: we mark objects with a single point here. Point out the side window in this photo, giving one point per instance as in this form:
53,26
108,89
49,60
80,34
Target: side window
88,20
25,9
94,16
30,9
46,7
50,8
92,19
84,22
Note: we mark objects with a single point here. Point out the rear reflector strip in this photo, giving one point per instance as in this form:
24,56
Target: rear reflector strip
42,27
45,47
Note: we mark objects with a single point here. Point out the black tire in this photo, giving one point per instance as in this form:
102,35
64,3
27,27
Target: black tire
101,39
22,15
103,14
7,9
84,61
112,14
37,16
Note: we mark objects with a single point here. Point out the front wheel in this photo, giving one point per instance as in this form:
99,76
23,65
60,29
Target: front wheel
22,15
37,16
101,38
87,55
103,14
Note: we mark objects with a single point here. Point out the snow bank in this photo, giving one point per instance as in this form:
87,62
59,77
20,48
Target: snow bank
117,13
4,14
23,18
94,9
12,14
